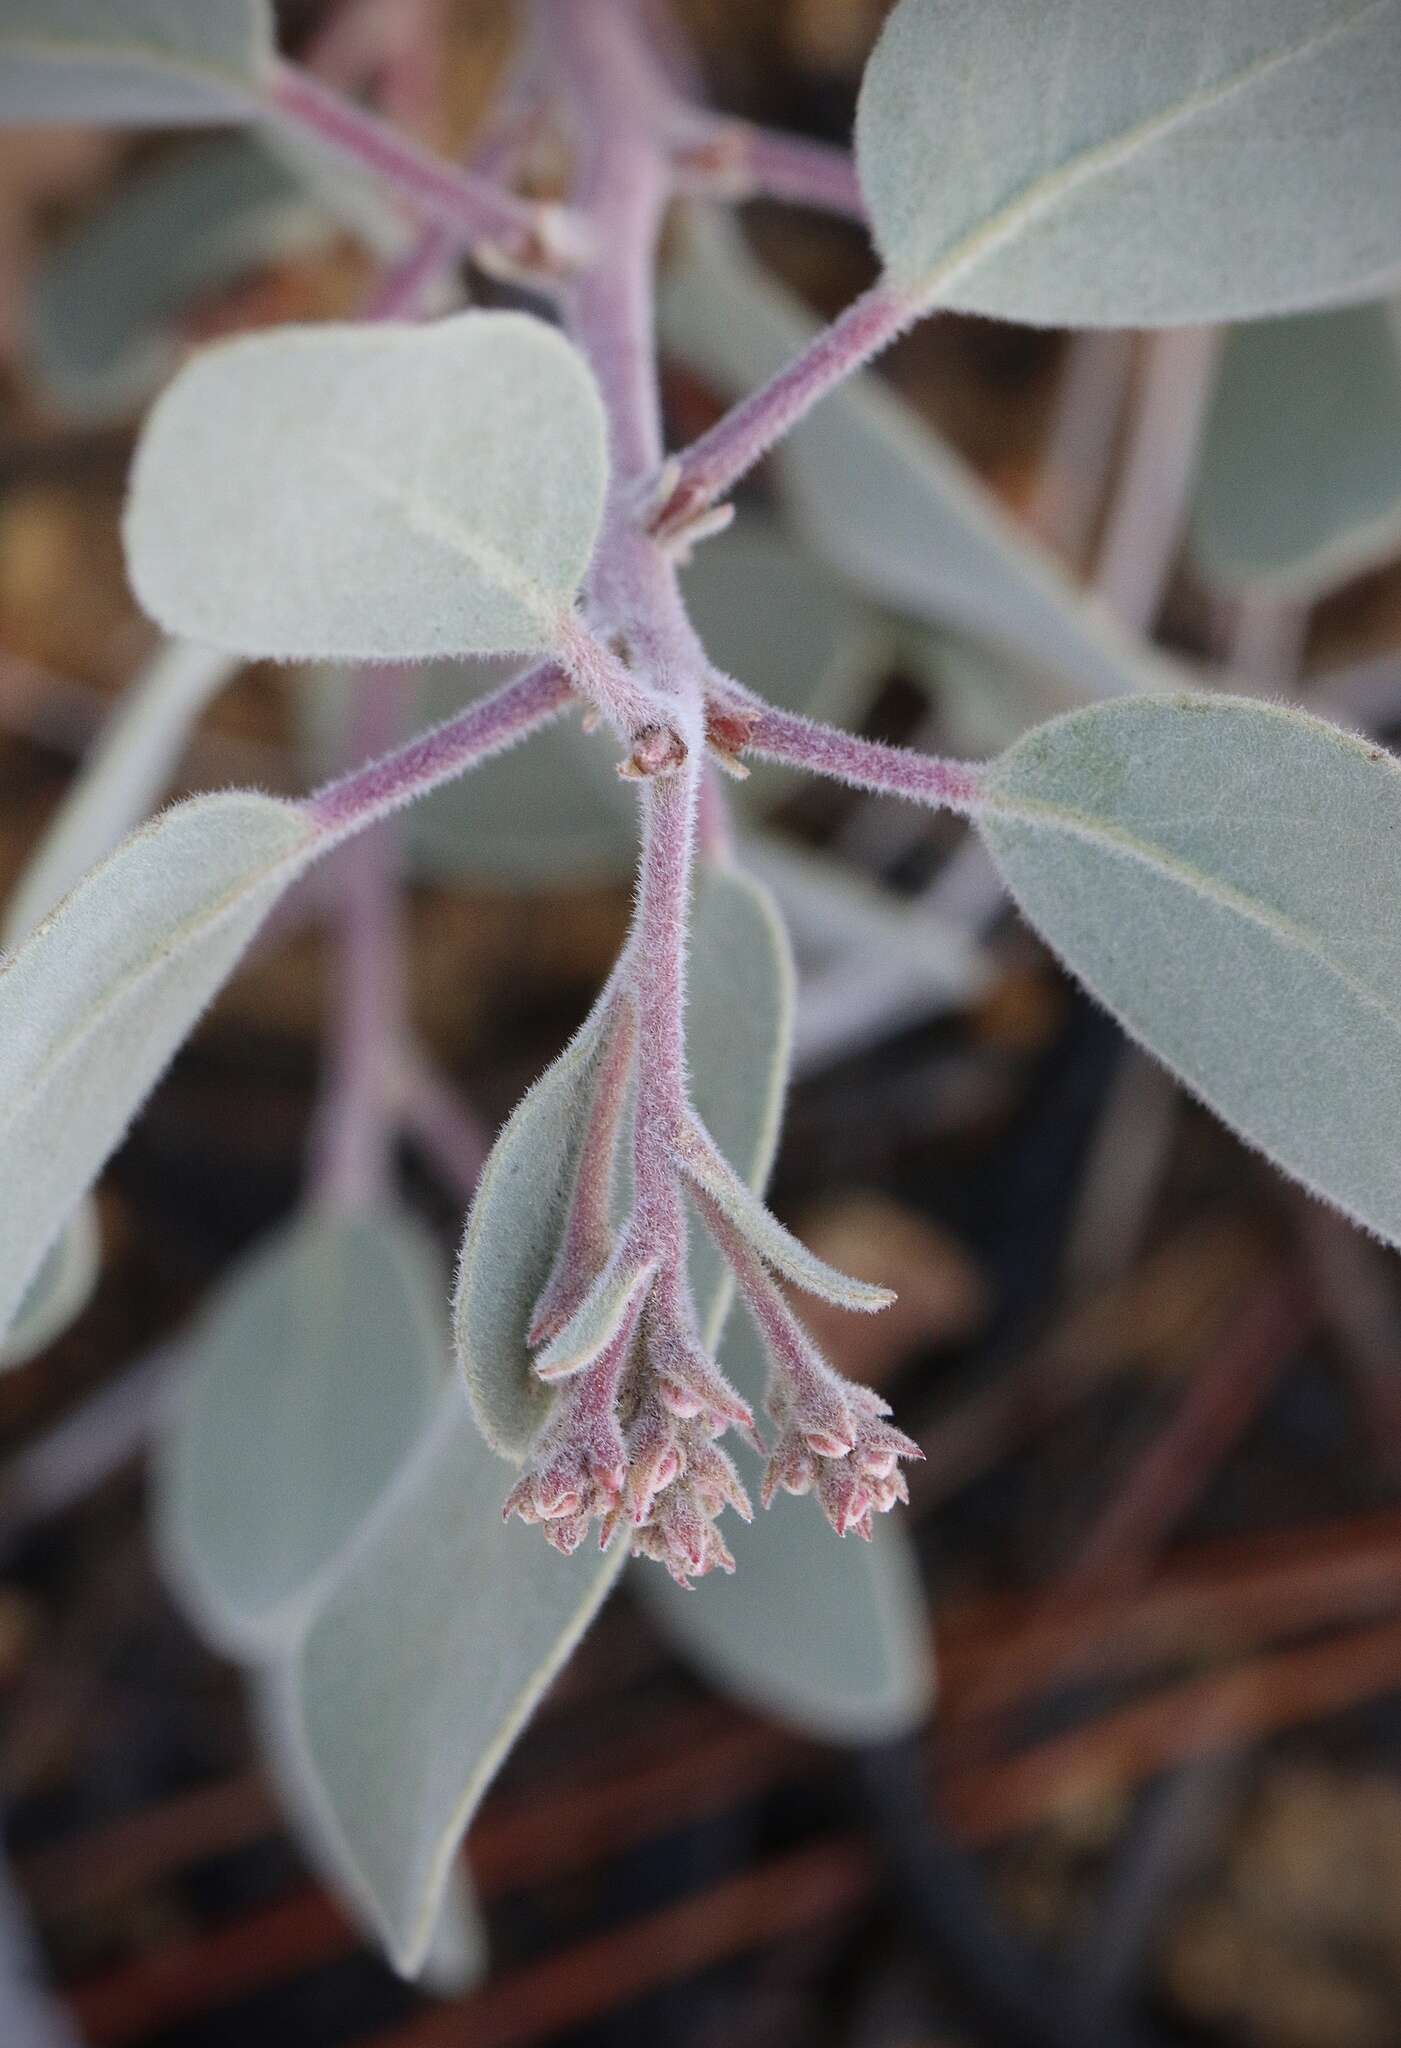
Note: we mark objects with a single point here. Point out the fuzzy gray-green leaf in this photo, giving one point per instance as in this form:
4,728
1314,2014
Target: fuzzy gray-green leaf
422,1666
1094,164
455,1958
1223,875
380,492
139,63
108,298
95,1001
1300,479
128,769
739,1043
513,1230
311,1376
59,1291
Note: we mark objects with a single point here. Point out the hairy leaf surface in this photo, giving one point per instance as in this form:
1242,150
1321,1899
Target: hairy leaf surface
1223,875
96,1000
1090,164
1300,479
422,1667
140,63
456,1956
311,1377
369,493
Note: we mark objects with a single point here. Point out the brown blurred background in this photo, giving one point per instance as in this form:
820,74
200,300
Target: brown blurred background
1160,1397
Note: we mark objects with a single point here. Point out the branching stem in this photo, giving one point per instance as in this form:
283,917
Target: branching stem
752,726
712,465
441,754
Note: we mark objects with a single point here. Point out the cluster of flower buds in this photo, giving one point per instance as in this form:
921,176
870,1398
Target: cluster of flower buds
633,1446
633,1442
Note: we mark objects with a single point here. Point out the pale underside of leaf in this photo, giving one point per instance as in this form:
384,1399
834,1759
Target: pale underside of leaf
1222,875
1236,158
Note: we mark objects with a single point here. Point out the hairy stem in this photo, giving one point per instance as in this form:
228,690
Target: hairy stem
760,728
659,987
441,754
715,463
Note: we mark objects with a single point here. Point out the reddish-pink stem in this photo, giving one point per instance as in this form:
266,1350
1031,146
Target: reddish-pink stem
659,987
441,754
715,463
625,184
863,764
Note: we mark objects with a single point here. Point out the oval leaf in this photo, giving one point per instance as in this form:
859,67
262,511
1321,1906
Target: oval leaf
371,492
513,1230
311,1377
108,299
1221,874
139,63
95,1002
1084,166
422,1667
878,496
1300,479
830,1637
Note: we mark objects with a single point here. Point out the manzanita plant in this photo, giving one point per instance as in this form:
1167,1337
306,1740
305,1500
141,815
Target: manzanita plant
489,493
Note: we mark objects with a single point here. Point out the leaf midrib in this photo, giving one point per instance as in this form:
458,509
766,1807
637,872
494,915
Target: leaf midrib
1042,194
1117,841
119,992
242,85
